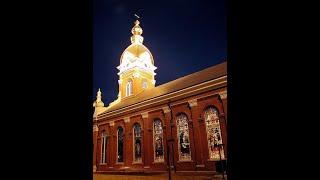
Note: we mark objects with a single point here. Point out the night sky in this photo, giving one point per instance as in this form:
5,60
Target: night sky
183,37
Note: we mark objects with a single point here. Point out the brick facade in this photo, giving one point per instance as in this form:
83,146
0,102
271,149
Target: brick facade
192,106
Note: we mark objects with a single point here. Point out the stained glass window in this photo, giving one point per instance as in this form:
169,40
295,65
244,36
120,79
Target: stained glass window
213,134
183,138
103,147
158,141
137,142
120,145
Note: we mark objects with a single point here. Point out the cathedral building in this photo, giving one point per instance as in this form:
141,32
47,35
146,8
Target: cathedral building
180,124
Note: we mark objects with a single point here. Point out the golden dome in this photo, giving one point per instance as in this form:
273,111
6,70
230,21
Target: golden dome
137,50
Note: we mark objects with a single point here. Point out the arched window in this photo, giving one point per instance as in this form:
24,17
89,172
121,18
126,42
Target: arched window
213,134
137,145
103,148
144,84
129,88
120,145
158,141
183,138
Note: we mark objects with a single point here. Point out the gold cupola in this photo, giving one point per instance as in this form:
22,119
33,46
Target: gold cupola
136,69
136,32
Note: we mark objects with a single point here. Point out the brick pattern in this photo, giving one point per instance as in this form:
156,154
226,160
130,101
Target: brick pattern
197,134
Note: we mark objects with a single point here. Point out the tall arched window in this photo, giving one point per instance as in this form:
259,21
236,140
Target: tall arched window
137,143
183,138
158,141
213,133
129,89
120,145
103,148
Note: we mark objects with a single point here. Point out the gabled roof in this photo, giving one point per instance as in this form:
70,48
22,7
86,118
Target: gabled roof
207,74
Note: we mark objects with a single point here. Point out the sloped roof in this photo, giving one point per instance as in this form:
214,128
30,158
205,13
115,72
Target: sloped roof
207,74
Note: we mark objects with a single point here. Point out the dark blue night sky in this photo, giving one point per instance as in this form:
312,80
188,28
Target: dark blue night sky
183,37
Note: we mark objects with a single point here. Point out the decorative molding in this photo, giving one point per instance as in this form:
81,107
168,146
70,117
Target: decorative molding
119,81
200,165
111,123
168,96
153,82
193,102
126,119
94,168
145,115
136,75
95,128
166,109
223,94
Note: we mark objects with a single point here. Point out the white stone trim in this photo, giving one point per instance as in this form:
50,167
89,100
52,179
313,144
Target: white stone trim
95,128
126,119
223,94
167,96
193,102
145,115
166,109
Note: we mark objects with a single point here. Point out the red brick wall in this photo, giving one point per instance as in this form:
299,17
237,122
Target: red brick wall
197,134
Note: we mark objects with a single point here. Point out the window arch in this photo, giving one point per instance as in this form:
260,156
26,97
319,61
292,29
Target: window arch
129,88
214,139
137,145
183,138
120,144
103,147
158,141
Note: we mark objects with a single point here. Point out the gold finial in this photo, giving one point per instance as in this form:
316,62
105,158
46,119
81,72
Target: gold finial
136,30
136,23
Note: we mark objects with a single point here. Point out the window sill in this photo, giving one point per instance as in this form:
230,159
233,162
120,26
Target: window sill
158,162
213,160
183,161
137,163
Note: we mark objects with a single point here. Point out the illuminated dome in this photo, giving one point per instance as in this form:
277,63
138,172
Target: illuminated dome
136,55
136,51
